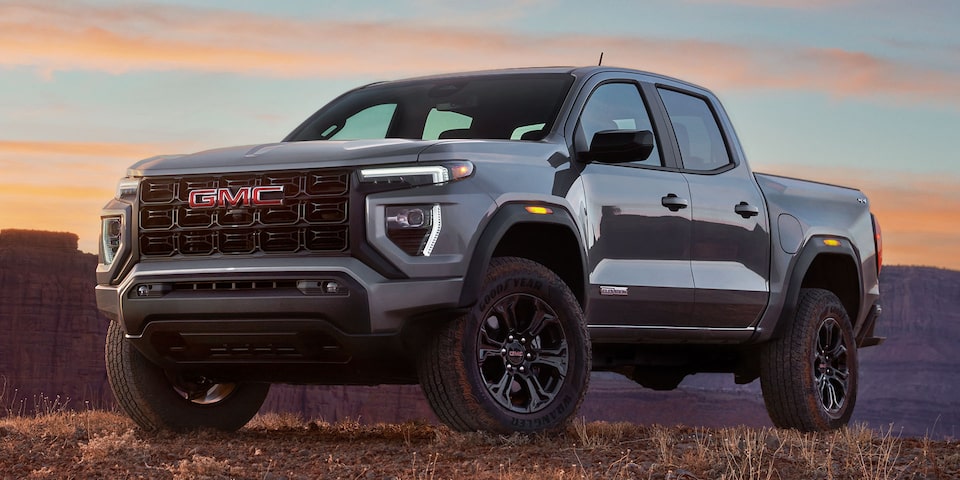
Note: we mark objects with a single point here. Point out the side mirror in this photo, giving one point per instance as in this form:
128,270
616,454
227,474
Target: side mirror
617,146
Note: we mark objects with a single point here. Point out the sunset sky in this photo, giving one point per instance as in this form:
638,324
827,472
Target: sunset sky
863,93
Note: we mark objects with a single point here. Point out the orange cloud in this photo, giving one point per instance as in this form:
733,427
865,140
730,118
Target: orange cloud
119,39
55,207
114,150
62,185
918,214
72,163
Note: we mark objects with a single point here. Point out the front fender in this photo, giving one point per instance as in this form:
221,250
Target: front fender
505,218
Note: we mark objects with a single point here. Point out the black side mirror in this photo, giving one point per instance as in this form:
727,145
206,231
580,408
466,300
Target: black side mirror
616,146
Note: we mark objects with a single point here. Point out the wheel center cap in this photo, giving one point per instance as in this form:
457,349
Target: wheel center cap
515,353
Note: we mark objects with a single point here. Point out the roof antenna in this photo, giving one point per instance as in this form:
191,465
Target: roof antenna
601,60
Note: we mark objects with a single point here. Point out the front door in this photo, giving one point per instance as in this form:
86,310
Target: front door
638,225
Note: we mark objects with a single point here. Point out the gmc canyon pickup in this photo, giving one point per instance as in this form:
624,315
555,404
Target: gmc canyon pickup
493,236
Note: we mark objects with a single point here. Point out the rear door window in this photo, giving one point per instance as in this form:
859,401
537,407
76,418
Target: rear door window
702,147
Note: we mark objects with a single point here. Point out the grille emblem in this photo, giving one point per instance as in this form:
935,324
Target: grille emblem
268,195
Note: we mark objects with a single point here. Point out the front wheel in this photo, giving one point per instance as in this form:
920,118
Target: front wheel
809,374
519,360
160,400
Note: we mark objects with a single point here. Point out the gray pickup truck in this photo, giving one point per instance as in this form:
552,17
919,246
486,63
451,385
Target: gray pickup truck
493,236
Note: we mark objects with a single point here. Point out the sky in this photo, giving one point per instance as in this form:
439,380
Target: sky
863,93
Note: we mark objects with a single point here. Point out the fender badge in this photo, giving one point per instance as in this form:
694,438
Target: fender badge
614,291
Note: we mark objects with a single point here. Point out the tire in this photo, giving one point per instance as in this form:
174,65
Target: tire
809,374
155,400
518,361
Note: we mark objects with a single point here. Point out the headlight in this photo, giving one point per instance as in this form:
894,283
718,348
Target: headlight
418,174
414,228
110,233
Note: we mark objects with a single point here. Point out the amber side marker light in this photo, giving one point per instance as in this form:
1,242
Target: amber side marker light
460,170
831,242
538,210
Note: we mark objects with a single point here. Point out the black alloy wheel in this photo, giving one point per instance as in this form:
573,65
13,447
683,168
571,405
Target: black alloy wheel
522,353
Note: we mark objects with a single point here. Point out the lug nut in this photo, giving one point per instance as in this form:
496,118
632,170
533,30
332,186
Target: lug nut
510,338
503,351
509,367
522,369
523,340
529,356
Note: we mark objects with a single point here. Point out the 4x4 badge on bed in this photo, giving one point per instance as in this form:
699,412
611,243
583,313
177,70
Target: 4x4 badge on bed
266,195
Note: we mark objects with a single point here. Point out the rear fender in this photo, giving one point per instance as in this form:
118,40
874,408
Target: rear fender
816,248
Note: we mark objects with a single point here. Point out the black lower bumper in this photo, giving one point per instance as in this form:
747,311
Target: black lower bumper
275,350
275,320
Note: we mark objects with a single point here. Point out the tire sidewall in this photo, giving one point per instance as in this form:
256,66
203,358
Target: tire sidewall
829,306
525,277
789,363
146,393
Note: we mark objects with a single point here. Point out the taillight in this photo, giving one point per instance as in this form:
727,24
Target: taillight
878,242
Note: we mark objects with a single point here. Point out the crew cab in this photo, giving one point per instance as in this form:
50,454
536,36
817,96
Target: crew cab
493,236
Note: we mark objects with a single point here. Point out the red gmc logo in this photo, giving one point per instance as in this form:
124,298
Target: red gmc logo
249,196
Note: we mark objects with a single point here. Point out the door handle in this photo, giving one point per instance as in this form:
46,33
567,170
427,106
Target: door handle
746,210
673,202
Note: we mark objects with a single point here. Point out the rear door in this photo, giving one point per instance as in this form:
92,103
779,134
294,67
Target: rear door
730,238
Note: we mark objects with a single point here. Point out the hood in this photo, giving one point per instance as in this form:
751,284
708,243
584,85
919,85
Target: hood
284,156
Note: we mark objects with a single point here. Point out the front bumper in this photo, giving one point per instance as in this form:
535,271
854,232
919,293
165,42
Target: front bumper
225,316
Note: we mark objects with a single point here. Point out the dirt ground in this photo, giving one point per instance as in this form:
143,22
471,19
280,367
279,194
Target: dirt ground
97,444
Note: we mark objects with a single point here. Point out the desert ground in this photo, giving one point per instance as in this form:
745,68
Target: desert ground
103,444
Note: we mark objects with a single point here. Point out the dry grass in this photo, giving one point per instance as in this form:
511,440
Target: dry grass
66,444
12,405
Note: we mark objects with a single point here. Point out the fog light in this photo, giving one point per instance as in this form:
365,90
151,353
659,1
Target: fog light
404,218
415,228
110,234
152,289
334,288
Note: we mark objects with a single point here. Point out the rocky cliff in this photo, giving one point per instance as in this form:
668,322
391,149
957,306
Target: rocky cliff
51,344
51,334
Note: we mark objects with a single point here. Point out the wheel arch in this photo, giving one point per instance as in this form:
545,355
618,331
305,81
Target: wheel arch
509,233
823,264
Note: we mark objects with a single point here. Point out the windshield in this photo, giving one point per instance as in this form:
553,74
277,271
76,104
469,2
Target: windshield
507,106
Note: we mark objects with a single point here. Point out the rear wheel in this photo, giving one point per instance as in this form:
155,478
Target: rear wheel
156,399
809,374
519,360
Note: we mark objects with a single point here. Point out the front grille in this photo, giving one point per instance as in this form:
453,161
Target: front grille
235,285
312,217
